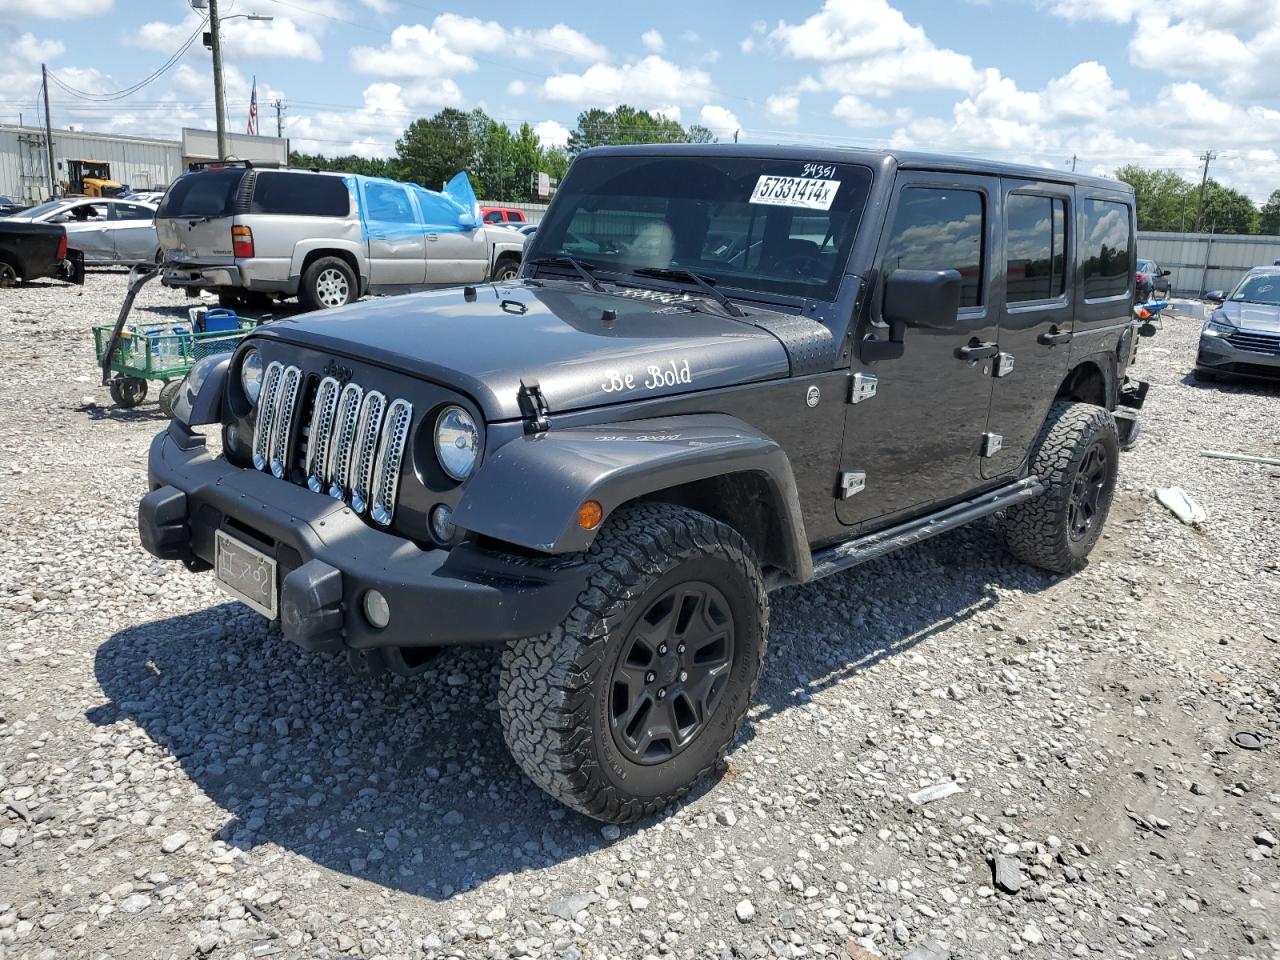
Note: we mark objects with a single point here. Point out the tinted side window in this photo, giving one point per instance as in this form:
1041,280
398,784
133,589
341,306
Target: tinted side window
493,216
1106,247
938,229
300,194
204,194
131,211
1036,240
515,216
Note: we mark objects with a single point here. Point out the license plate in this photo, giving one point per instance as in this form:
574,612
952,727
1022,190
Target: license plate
247,574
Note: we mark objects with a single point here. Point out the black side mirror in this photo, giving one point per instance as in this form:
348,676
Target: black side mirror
1216,296
925,298
1165,273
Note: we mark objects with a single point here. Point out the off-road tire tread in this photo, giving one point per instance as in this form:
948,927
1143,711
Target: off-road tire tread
1035,531
545,698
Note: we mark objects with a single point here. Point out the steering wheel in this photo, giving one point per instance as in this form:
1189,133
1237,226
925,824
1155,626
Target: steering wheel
802,266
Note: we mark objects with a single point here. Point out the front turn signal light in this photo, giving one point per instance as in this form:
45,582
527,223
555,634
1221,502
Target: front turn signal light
590,514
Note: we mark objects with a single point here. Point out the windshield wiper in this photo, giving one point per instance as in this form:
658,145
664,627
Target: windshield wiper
680,273
577,265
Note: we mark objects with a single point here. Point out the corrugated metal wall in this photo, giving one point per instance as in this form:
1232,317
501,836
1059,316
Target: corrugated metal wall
1201,262
139,162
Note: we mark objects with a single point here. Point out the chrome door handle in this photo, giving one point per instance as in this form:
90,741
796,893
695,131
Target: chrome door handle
433,236
977,351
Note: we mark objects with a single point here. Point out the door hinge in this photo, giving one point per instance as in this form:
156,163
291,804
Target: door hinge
1004,364
852,482
991,444
863,387
533,407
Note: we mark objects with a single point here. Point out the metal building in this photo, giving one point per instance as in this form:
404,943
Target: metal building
141,162
1201,262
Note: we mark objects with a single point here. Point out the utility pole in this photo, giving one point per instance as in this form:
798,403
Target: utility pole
48,125
219,109
279,105
1207,156
1073,163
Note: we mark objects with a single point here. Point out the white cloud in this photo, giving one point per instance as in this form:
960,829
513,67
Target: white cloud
782,107
472,35
50,10
858,112
689,36
551,133
280,37
26,50
719,120
652,41
651,82
414,51
667,111
867,48
517,88
747,44
372,130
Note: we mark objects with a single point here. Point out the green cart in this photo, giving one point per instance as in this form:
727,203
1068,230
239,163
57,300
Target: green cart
131,356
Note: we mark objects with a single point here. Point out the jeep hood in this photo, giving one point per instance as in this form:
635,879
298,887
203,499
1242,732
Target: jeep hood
1252,316
557,335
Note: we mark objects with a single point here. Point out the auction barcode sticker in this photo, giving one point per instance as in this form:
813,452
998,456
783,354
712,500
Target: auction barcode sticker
795,192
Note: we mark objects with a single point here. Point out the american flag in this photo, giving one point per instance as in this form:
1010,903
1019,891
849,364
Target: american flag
253,110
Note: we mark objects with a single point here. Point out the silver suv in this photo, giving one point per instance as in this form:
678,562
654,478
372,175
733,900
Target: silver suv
251,235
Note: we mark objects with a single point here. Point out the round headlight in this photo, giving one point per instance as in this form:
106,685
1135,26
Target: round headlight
251,371
457,442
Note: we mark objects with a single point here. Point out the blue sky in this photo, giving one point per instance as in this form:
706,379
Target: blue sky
1109,81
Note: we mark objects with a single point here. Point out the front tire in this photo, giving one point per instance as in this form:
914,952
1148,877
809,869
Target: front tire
328,282
636,696
128,392
1076,457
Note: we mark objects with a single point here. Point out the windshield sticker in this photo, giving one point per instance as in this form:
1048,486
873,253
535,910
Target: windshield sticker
654,377
809,192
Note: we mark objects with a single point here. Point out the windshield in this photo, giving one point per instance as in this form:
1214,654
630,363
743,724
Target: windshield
209,193
1146,266
768,226
48,206
1261,288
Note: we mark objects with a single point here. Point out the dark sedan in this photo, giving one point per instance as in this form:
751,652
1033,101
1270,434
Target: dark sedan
1150,281
1242,335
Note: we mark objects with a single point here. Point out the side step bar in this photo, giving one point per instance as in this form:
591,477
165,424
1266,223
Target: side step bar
853,552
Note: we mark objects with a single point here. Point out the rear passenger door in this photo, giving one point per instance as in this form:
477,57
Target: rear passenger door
133,232
397,241
1036,319
919,439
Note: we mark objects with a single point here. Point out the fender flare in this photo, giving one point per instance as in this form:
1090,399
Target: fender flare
304,248
527,492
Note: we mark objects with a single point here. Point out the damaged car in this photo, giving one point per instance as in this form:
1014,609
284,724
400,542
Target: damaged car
722,370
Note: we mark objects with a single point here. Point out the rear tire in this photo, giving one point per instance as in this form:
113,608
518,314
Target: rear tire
505,269
328,282
1076,456
128,392
636,696
8,274
168,396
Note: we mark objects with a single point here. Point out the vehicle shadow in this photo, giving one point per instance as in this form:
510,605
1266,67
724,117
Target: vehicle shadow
407,783
149,412
1233,384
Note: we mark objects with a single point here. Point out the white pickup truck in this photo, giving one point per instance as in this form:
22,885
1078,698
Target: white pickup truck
250,235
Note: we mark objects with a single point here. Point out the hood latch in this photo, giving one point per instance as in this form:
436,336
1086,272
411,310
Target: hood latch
533,408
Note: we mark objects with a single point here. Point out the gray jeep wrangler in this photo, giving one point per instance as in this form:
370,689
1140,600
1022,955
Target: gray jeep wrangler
721,370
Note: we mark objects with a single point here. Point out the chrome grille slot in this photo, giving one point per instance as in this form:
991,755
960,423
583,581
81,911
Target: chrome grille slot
282,421
386,469
320,436
368,429
338,439
344,439
266,414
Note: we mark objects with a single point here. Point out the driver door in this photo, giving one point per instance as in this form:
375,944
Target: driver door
919,440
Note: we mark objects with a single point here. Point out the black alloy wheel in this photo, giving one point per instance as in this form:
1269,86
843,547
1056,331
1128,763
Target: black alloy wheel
1088,491
671,672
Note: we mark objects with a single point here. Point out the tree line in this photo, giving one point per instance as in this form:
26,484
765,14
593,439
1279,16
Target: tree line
501,162
1169,203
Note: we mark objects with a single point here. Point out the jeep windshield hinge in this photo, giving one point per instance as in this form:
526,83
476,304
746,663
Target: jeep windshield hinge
533,407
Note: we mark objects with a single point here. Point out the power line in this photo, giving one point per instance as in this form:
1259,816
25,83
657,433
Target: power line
134,88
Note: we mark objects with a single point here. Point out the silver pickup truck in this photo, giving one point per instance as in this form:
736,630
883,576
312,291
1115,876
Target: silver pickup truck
251,235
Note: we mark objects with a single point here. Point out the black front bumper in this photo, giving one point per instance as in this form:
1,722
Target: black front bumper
328,558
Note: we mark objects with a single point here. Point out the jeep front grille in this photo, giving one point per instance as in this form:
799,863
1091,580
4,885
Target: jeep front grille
353,444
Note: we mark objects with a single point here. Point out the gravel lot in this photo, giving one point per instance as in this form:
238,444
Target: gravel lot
177,780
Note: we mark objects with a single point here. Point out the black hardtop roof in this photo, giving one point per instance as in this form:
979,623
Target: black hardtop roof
905,160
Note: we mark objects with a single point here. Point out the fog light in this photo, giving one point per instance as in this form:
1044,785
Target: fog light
442,526
376,609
